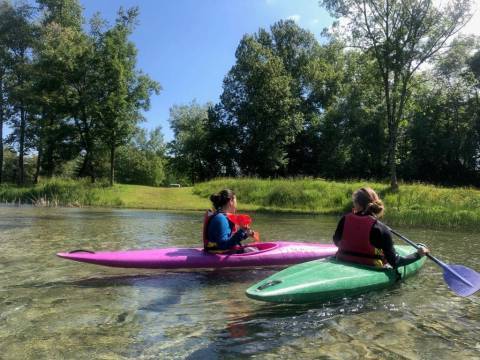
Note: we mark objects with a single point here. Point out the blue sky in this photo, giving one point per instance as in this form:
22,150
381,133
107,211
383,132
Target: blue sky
188,46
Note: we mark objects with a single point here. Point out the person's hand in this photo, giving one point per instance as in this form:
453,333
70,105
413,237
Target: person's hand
422,250
249,232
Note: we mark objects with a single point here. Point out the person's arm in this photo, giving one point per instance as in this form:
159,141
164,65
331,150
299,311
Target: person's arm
381,238
337,236
219,232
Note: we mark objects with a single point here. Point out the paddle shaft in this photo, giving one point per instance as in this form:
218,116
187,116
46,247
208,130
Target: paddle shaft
444,266
433,258
460,279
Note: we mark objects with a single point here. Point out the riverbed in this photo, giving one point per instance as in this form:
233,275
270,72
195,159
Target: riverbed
51,308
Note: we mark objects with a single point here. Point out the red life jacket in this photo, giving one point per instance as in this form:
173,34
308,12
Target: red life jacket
210,245
355,244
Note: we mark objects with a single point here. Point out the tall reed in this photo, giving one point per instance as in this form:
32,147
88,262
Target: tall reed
413,204
59,192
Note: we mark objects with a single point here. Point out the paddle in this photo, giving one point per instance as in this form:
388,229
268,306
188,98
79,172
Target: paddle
460,279
243,220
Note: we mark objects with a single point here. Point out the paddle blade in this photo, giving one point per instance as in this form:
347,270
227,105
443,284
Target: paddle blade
461,279
242,220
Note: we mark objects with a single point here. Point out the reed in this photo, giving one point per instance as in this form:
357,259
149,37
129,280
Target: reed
79,193
60,192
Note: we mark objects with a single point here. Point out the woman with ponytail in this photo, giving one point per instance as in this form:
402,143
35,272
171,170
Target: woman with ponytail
220,233
362,239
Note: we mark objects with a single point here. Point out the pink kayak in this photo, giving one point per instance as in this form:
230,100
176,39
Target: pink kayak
268,254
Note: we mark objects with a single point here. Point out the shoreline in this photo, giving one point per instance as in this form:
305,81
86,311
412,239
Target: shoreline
414,205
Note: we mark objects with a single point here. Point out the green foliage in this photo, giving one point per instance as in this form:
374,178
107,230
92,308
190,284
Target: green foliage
17,43
413,204
124,91
188,123
56,192
67,192
71,91
262,96
142,161
443,134
401,35
73,99
10,166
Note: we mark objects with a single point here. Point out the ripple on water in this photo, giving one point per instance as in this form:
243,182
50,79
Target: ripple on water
51,308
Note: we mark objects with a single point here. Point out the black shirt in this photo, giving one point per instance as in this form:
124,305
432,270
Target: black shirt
381,238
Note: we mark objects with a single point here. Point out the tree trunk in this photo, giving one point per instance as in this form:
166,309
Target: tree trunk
392,132
21,167
47,150
1,128
87,168
37,170
112,165
49,160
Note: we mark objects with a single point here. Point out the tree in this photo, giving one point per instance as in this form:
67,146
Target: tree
316,72
220,152
443,134
259,98
351,139
402,35
5,64
66,13
18,38
142,160
188,123
124,90
56,140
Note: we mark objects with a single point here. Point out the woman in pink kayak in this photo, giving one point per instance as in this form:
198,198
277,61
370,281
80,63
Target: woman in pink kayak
222,231
362,239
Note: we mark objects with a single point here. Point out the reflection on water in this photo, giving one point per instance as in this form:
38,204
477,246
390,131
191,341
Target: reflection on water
51,308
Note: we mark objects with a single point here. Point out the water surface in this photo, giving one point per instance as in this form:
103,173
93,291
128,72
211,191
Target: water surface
52,308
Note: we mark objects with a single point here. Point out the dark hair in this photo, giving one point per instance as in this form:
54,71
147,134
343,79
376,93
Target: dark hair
368,199
222,198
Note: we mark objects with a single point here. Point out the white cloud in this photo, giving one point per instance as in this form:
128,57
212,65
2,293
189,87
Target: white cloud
294,17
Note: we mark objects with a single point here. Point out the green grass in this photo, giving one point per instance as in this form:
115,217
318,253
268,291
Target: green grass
64,192
146,197
413,204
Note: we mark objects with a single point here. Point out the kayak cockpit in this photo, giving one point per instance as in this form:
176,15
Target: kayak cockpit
257,249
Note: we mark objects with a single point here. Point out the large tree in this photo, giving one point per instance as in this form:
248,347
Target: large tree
5,63
142,160
188,123
259,96
19,39
402,35
124,91
282,83
443,134
55,136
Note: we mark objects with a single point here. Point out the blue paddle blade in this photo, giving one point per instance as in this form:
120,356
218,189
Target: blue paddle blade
461,279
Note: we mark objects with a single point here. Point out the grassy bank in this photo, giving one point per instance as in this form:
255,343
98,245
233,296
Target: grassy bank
414,204
60,192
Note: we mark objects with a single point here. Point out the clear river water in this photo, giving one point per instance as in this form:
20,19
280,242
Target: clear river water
51,308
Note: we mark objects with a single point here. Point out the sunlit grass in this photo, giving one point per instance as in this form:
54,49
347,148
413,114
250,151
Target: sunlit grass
65,192
137,196
413,204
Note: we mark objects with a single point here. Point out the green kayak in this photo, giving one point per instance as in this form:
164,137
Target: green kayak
328,279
